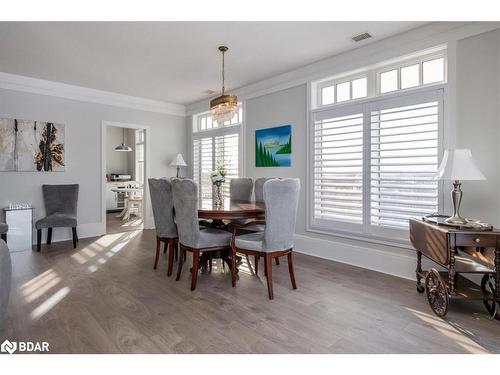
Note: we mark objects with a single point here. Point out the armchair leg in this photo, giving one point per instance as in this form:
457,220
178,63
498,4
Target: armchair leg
194,271
170,256
290,270
179,266
277,261
269,275
38,239
49,236
75,237
157,257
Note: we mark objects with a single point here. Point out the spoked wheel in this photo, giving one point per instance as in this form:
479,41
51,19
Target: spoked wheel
437,293
488,287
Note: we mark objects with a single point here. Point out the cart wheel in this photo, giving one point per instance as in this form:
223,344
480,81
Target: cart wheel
437,293
488,287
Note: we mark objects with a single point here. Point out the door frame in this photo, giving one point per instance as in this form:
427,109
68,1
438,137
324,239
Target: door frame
147,212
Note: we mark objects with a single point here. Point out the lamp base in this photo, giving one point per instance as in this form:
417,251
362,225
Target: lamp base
456,220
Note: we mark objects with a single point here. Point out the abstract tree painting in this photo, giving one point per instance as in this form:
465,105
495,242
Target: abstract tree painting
273,147
31,146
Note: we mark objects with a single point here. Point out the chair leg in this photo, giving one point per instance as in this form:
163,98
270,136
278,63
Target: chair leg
38,239
233,267
179,266
269,275
4,237
176,250
194,271
75,237
277,261
157,257
49,236
165,248
256,266
170,256
290,270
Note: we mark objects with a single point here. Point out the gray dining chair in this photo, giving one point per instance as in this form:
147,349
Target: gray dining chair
259,188
4,228
61,203
240,189
281,198
162,202
191,238
5,280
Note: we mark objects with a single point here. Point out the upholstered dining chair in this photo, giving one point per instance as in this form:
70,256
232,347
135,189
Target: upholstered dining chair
259,188
5,279
162,202
191,238
61,203
240,189
281,198
4,228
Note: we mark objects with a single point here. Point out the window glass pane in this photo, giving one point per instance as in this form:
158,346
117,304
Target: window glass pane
203,123
359,88
343,91
433,71
410,76
210,124
328,95
389,81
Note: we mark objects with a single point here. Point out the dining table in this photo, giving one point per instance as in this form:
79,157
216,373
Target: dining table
128,191
221,217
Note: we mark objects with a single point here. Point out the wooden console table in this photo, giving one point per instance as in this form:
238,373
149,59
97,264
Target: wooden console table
459,251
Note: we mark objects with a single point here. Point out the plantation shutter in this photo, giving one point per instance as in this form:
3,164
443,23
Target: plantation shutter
207,152
338,167
404,159
226,151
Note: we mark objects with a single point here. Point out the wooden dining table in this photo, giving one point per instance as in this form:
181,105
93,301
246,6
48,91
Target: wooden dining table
221,216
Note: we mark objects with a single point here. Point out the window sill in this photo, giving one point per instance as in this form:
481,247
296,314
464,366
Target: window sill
399,243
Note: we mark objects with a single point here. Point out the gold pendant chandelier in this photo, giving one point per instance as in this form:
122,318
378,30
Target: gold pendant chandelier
224,107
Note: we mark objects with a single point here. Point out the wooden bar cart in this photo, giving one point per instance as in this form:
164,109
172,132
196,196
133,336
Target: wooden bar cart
460,251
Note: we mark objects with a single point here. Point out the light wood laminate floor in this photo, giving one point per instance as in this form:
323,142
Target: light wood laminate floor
116,224
105,297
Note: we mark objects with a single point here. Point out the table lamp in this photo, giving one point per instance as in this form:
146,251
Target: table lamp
178,162
457,165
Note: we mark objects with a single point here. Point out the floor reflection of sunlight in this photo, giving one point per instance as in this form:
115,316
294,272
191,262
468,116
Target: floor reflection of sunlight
49,303
448,330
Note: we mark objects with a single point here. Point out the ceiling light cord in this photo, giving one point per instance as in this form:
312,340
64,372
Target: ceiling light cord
223,67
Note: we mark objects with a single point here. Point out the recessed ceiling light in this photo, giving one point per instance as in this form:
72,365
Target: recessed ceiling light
360,37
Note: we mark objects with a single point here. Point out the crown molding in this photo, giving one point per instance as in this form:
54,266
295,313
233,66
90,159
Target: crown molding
62,90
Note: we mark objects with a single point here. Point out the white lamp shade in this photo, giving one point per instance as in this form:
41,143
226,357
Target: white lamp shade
178,161
458,165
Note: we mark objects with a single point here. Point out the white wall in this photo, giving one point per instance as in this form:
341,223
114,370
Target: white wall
471,120
83,150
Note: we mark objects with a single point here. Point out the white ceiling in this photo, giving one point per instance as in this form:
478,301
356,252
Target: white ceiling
174,61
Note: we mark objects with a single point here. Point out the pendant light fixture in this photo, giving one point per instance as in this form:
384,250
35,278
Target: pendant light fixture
123,147
224,107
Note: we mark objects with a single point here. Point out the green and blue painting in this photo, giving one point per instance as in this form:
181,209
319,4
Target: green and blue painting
273,147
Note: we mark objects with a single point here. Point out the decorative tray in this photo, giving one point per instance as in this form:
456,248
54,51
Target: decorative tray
471,223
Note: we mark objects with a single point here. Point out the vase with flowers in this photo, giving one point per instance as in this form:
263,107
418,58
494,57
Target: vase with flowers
218,178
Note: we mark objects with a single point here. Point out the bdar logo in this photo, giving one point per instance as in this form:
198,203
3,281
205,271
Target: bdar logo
8,347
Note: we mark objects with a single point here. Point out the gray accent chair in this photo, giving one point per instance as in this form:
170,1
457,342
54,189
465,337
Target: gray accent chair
61,203
4,228
5,280
240,189
191,238
162,202
281,198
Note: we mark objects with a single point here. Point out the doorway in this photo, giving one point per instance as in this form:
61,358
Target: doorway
125,170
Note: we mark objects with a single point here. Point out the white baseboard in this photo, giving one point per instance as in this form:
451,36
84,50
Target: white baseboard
364,256
65,234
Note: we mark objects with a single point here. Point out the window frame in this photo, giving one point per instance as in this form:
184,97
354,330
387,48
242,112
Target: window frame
136,161
215,132
387,236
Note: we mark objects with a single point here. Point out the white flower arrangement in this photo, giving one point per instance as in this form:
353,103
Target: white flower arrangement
218,176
